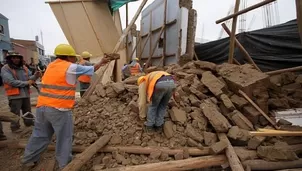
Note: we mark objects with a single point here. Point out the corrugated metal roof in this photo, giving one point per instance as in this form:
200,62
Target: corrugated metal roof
2,16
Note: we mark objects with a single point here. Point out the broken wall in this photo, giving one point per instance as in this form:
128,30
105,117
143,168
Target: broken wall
176,13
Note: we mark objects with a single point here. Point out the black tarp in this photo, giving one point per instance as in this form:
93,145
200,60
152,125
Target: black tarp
271,48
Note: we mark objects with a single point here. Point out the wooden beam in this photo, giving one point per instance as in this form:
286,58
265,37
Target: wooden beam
299,17
127,22
86,155
233,159
266,165
276,133
260,4
294,69
109,69
165,36
155,45
232,37
144,45
108,149
258,108
134,49
187,164
239,45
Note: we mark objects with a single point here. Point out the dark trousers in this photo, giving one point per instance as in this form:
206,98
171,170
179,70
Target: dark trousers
16,105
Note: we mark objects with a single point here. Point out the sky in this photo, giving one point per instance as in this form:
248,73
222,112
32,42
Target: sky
28,18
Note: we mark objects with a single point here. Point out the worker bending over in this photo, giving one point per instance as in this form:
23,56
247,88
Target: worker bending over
160,86
17,81
85,79
135,67
54,106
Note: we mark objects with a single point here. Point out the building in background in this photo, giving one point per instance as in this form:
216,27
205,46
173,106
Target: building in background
35,51
5,43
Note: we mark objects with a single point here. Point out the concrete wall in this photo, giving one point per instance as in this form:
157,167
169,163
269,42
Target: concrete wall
176,31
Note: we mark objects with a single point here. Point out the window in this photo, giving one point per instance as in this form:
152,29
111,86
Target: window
1,29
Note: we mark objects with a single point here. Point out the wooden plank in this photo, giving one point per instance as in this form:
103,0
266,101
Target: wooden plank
294,69
187,164
109,69
82,158
232,37
233,159
266,165
155,46
276,133
165,36
260,4
258,108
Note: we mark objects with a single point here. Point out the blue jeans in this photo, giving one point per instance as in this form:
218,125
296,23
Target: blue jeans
163,91
49,121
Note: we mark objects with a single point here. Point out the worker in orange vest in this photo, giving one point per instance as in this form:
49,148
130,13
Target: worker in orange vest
17,81
85,79
160,86
54,107
135,67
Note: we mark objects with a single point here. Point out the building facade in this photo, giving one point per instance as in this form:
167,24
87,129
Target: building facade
5,43
35,51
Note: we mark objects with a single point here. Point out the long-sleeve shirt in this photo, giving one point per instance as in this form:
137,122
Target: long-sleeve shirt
21,82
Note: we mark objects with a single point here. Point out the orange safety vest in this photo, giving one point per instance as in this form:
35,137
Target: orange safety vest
135,69
151,80
84,78
55,91
10,90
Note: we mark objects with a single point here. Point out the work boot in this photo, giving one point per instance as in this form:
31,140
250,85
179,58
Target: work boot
3,137
149,129
159,128
28,166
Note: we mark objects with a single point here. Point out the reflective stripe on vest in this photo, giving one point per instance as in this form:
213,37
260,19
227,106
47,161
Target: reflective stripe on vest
135,69
10,90
151,80
55,91
84,78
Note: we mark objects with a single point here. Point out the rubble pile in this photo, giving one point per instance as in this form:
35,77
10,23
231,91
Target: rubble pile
206,102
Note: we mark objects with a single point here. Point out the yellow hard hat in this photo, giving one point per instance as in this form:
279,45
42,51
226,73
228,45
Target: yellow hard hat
140,80
78,57
64,50
86,54
136,59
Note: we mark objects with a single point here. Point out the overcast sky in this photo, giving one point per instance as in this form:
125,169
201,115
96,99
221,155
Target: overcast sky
28,18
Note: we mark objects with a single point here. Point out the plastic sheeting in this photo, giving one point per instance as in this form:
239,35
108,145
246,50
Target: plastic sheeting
271,48
116,4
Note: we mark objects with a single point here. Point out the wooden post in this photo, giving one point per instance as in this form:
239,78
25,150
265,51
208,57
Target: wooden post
82,158
245,53
260,4
106,76
165,36
144,45
294,69
155,45
258,108
187,164
127,22
232,37
134,49
21,144
299,17
233,159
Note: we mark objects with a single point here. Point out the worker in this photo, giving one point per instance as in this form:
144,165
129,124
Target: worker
125,72
17,80
159,88
84,79
54,106
135,67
